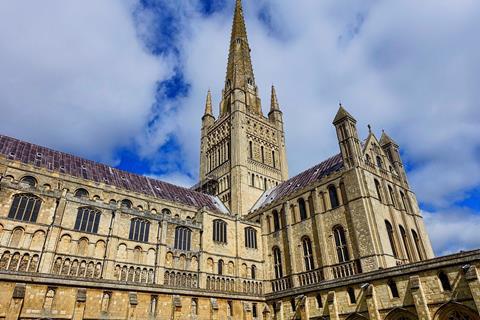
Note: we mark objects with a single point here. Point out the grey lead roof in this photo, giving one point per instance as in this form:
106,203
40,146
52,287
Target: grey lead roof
300,181
65,163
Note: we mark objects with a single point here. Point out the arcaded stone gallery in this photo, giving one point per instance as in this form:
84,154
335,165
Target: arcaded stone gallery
344,239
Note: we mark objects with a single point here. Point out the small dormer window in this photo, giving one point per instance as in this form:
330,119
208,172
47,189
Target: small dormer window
250,81
239,40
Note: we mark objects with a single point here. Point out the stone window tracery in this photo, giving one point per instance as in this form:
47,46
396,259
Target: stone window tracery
219,231
341,244
307,254
183,238
250,238
277,263
25,207
88,220
139,230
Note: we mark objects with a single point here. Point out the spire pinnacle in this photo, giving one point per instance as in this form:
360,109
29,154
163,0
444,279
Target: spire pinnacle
274,104
208,104
342,114
239,68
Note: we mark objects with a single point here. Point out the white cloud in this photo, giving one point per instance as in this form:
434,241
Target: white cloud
75,75
413,71
175,178
453,230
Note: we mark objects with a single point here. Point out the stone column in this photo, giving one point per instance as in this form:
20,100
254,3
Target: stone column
474,284
160,271
288,246
372,305
303,307
53,234
332,306
419,298
320,240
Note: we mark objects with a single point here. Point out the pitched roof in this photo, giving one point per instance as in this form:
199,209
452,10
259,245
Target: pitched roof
65,163
385,139
300,181
341,114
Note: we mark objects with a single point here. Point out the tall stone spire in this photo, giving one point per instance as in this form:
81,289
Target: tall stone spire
239,68
208,119
208,104
274,103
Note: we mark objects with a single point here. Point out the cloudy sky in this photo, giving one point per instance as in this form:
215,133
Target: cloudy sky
124,83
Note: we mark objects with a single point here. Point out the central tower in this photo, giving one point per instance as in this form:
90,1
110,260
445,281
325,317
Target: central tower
242,152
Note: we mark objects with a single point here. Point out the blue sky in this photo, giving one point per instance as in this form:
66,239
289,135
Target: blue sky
124,82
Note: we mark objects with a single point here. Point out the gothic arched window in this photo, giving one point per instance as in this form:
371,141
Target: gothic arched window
25,207
302,208
219,231
332,192
379,190
405,242
379,162
418,244
273,159
253,272
263,154
277,263
404,201
276,220
392,196
307,253
87,220
139,230
183,238
250,238
250,149
341,244
391,237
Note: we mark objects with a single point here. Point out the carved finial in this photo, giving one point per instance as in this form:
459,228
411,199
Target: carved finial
369,128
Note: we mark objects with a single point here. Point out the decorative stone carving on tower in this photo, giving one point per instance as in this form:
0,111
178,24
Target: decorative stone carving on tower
242,150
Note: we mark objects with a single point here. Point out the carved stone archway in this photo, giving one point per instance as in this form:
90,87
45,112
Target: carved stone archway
400,314
356,316
455,311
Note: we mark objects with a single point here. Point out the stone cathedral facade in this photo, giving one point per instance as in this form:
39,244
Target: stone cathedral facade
344,239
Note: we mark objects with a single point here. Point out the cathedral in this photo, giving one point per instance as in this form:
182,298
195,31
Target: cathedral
342,240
